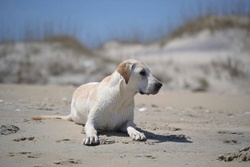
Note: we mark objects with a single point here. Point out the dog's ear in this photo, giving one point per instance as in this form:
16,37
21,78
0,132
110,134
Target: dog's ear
125,70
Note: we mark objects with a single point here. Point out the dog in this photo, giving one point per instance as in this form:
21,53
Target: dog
109,105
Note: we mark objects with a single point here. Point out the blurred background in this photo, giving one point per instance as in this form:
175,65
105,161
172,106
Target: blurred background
191,45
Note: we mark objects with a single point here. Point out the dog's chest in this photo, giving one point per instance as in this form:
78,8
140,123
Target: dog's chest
113,109
112,118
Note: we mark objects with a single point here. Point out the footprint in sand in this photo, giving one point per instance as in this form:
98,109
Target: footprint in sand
8,129
24,139
67,141
62,140
231,142
106,141
68,162
145,156
27,154
229,132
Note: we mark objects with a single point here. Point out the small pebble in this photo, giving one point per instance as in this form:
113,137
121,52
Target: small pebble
64,99
143,109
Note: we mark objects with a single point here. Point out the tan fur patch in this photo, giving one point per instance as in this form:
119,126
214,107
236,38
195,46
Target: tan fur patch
124,70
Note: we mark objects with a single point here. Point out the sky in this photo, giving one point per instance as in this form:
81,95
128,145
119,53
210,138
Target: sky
96,21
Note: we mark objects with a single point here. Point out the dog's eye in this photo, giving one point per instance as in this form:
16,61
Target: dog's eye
143,72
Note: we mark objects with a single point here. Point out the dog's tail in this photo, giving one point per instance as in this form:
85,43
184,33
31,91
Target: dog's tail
68,117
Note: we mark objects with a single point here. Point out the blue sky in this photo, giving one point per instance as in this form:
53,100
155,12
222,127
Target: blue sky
95,21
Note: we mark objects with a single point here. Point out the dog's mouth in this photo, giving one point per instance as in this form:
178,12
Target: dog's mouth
143,93
147,93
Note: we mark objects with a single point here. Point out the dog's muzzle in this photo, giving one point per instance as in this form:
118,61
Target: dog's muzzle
157,86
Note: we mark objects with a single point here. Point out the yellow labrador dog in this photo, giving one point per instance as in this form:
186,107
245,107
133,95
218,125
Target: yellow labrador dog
109,104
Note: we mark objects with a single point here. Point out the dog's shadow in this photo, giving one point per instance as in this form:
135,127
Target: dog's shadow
151,136
166,138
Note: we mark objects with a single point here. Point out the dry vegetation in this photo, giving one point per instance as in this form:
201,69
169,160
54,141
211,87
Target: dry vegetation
58,60
211,23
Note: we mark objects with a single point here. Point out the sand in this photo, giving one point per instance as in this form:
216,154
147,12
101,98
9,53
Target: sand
183,129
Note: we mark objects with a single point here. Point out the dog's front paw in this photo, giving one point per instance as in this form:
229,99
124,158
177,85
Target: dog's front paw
91,140
138,136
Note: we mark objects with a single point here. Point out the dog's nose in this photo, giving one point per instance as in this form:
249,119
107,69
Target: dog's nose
158,85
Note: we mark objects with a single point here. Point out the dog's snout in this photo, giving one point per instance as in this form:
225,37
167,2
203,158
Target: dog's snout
158,85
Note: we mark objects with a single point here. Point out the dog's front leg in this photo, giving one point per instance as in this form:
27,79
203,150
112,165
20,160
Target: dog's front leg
132,132
91,134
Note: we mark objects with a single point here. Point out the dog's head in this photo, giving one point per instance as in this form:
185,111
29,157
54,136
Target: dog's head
137,76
